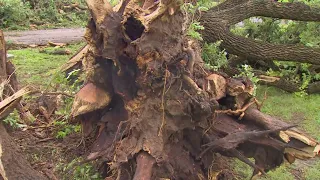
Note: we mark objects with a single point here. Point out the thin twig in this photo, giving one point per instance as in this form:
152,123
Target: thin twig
4,83
238,112
162,102
212,124
53,93
45,140
259,105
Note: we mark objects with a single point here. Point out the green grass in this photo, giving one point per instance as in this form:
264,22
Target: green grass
38,69
244,172
313,173
303,111
241,170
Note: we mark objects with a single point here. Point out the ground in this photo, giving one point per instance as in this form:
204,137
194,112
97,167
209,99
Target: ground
41,37
54,146
51,145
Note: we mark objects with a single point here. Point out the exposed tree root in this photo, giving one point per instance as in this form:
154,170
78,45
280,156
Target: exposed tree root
137,72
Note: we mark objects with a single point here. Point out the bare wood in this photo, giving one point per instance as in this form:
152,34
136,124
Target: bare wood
75,59
269,122
15,96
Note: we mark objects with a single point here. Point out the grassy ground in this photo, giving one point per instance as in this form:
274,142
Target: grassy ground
37,66
304,111
40,68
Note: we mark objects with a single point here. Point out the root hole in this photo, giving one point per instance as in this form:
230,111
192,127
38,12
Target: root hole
133,28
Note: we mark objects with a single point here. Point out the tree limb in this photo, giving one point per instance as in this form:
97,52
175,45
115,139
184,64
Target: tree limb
227,5
295,11
242,10
253,49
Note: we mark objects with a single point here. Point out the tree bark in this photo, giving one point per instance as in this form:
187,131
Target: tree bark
3,57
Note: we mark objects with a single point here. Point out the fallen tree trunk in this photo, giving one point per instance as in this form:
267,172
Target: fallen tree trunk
155,111
13,165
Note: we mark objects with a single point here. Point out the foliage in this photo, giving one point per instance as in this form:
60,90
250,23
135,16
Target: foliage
53,11
69,83
19,14
247,71
213,56
113,2
192,18
13,120
65,129
296,72
193,30
81,172
13,13
67,86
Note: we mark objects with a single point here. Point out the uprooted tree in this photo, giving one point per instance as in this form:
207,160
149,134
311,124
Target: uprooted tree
156,112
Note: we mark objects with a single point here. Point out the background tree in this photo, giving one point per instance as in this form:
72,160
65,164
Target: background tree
263,49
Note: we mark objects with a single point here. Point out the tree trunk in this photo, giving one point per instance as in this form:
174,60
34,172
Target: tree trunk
13,165
159,113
